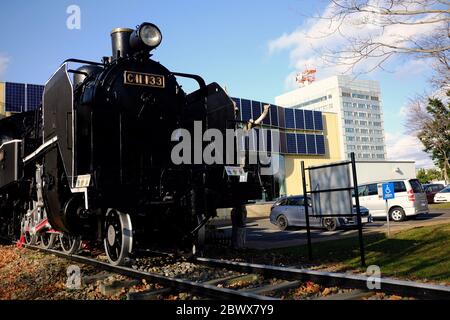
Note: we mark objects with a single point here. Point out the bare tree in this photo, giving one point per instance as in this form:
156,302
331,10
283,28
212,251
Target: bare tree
378,30
429,120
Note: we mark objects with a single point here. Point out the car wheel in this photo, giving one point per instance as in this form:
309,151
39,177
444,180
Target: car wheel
282,222
397,214
330,224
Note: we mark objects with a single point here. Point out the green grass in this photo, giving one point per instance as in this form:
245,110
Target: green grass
445,205
419,253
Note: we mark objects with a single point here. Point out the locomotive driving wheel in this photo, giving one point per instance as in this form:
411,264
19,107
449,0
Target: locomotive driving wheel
118,240
47,240
29,238
70,244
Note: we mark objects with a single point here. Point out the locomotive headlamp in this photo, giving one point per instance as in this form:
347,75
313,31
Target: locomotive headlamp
147,35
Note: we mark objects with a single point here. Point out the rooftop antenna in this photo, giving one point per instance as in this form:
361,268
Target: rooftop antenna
306,77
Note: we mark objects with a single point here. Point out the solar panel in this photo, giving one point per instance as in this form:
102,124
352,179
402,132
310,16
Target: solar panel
253,139
262,140
283,146
281,118
14,97
309,122
274,116
256,109
289,118
246,110
318,122
301,144
268,136
291,143
266,120
34,96
311,143
238,105
299,120
320,143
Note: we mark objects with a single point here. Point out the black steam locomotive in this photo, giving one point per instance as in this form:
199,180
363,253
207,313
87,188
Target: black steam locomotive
94,162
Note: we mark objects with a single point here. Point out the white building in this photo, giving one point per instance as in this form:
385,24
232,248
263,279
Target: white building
358,105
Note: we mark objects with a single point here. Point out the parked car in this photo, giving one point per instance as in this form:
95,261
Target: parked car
431,189
410,199
443,195
290,212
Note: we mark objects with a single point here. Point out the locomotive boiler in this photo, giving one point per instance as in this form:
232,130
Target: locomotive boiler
94,162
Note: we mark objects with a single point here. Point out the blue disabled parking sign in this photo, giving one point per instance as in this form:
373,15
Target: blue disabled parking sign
388,191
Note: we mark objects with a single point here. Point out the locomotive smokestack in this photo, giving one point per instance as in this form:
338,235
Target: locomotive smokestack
120,38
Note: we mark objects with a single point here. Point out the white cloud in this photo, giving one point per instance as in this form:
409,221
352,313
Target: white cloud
314,40
406,147
4,60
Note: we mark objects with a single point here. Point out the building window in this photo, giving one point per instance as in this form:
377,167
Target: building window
346,94
374,98
349,130
360,96
363,123
314,101
380,156
348,121
350,138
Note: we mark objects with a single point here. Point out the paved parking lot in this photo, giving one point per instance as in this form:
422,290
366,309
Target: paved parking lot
261,234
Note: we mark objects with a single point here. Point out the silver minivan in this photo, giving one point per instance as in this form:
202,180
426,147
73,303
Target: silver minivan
410,199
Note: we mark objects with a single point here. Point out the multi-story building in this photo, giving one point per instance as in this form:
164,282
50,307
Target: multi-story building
358,106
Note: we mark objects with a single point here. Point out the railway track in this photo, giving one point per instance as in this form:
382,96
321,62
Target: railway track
288,279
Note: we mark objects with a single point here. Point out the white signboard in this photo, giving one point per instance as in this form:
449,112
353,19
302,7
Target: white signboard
331,203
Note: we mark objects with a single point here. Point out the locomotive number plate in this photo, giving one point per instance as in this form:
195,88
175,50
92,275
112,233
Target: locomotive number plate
144,79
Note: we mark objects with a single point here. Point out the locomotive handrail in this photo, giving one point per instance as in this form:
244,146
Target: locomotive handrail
40,149
84,62
197,78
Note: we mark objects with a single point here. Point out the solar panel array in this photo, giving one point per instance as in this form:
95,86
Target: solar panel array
20,97
280,119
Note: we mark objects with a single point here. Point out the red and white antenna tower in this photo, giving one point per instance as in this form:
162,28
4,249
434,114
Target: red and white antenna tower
306,77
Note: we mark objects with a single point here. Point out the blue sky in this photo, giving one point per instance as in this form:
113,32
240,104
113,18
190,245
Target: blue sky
223,41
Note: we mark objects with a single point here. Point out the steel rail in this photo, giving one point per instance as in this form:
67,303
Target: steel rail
179,284
387,285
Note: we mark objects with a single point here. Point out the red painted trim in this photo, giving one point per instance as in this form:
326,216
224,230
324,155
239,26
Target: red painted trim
41,225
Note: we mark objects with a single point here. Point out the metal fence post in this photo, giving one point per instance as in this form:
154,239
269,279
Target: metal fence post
358,211
305,203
